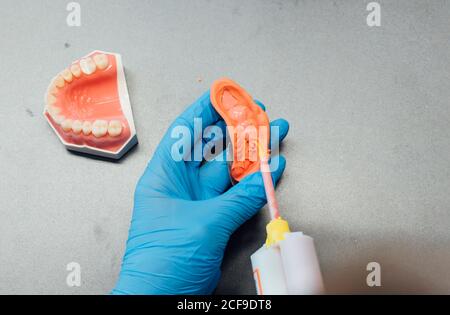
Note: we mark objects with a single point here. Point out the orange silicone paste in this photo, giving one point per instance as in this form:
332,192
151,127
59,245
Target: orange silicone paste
84,104
241,114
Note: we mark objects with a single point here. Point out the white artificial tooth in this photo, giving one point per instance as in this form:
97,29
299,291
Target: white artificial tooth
59,81
87,66
114,128
100,128
76,70
101,61
52,89
59,119
66,125
53,111
51,99
67,75
77,126
87,128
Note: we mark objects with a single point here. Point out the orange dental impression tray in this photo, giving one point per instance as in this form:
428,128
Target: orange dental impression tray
247,124
88,106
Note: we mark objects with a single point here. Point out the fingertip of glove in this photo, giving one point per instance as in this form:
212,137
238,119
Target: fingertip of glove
260,104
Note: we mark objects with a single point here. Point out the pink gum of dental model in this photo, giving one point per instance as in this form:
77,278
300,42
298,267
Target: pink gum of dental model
88,106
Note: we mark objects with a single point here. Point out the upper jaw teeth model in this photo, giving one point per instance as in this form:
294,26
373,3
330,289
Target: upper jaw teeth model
88,106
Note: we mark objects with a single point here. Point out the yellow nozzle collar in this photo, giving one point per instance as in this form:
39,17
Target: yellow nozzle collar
276,230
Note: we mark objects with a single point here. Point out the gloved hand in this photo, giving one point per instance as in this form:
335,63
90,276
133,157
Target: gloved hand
184,214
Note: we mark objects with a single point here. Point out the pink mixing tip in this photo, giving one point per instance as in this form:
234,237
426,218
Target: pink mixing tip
268,184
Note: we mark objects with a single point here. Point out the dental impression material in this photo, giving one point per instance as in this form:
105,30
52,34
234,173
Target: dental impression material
246,122
88,106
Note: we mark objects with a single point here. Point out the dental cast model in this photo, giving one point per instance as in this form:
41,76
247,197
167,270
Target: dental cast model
243,117
88,107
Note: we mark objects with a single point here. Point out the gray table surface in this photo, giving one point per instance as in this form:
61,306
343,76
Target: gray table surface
368,171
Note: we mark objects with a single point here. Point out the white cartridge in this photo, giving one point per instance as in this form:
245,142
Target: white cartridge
268,271
288,267
300,264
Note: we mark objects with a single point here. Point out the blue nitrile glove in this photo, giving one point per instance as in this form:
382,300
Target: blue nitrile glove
184,214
